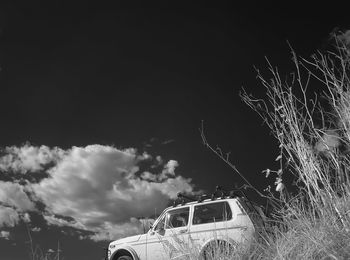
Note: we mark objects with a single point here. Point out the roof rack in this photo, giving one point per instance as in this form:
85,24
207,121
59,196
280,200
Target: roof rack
236,192
219,193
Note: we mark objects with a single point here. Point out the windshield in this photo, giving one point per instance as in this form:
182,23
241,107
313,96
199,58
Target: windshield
177,218
173,218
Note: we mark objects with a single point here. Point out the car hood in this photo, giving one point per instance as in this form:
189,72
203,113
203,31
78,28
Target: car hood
130,239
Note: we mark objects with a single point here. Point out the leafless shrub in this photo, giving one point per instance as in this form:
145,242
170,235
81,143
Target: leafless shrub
314,134
309,115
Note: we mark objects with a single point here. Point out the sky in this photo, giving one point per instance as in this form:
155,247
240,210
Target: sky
101,108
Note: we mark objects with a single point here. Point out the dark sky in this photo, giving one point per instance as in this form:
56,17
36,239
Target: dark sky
85,73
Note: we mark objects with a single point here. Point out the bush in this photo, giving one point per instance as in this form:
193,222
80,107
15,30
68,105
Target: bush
311,218
314,141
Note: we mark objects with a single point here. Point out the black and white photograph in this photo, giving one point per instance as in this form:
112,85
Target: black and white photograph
179,131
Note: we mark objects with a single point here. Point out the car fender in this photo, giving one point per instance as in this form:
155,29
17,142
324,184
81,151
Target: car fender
127,248
217,238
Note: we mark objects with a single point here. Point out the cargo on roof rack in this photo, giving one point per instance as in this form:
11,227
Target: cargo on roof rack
219,193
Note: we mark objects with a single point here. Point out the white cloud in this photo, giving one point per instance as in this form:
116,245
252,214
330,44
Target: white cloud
35,229
170,167
14,203
14,195
96,185
26,218
61,222
145,156
29,158
5,234
149,176
8,216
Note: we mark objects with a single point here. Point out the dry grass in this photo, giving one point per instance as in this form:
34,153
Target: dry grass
313,130
303,236
37,253
314,137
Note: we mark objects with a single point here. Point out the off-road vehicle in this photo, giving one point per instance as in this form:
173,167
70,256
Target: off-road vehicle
199,225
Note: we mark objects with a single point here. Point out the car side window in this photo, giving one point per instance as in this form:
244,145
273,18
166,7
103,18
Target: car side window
212,212
177,218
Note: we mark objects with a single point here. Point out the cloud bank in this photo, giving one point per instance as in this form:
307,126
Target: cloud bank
94,188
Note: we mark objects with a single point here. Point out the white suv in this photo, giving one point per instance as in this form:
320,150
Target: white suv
192,227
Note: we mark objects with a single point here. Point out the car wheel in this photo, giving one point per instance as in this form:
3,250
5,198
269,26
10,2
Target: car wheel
218,250
124,257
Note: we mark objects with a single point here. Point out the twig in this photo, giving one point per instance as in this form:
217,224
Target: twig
220,154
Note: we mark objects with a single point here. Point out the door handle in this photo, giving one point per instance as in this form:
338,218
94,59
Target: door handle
183,231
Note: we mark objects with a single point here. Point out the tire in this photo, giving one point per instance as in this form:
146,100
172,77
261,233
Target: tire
124,257
219,249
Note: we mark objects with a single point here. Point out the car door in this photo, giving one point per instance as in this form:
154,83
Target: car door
169,238
210,221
